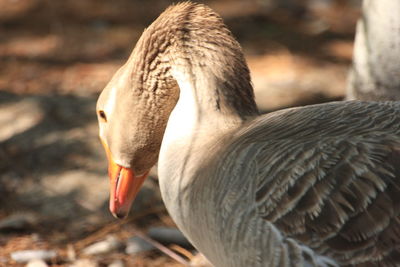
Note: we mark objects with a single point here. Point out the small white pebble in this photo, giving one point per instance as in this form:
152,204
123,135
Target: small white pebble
27,255
36,263
111,243
84,263
135,245
117,263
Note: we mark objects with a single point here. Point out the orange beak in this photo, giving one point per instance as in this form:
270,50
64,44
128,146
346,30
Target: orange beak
124,186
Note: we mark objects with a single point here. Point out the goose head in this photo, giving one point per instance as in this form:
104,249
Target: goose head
177,57
132,113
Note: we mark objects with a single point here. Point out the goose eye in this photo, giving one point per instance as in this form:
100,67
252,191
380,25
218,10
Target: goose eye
102,115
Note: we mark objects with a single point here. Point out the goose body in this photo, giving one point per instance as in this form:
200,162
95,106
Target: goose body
307,186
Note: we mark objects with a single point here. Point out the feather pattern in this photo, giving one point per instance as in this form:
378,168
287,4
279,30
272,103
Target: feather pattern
333,186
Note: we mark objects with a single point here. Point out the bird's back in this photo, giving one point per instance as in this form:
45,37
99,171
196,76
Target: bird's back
303,183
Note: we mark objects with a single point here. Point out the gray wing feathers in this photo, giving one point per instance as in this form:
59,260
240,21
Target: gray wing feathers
331,180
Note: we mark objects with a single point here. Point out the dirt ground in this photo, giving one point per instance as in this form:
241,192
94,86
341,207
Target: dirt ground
57,56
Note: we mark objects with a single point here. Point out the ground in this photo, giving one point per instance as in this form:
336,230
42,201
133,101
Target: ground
57,56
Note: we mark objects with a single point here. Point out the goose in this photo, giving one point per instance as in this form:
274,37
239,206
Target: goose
306,186
375,71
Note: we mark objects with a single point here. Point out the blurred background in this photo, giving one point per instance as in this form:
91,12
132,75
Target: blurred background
57,56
